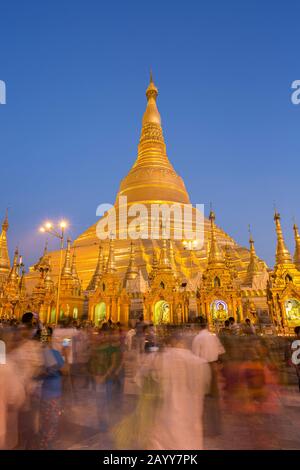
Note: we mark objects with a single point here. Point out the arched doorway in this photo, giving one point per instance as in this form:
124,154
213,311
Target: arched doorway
75,313
100,313
161,312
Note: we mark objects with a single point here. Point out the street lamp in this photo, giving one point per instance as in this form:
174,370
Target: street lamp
48,227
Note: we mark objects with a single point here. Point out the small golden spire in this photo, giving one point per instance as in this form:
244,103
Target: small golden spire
215,254
253,266
132,270
111,268
164,261
73,267
22,285
282,253
4,256
5,222
13,274
151,114
297,246
67,270
49,284
45,249
172,256
251,243
94,282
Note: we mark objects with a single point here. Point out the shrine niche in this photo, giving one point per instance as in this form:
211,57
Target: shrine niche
161,312
292,311
100,313
219,311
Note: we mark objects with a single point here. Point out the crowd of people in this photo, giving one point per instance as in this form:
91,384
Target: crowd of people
152,387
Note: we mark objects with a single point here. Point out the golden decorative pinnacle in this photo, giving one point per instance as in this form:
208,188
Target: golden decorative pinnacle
67,270
215,254
132,271
297,247
111,268
282,253
152,91
5,222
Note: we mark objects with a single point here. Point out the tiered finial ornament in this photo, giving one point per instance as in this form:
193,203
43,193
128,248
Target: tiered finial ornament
74,272
253,266
216,256
111,266
152,168
67,269
94,282
172,256
164,260
297,247
4,256
132,270
282,253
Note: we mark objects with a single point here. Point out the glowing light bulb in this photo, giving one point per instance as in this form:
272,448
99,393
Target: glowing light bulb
63,224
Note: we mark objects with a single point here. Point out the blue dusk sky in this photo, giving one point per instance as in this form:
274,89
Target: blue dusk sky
76,73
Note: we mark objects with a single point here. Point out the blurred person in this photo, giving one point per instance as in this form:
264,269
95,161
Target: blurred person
12,397
296,366
140,334
234,327
248,328
63,339
208,346
129,338
104,365
251,390
28,360
183,380
81,354
226,329
169,410
51,394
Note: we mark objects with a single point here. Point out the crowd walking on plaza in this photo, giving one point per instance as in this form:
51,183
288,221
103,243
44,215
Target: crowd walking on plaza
151,387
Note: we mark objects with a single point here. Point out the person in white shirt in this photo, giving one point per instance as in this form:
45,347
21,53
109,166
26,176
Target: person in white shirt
207,346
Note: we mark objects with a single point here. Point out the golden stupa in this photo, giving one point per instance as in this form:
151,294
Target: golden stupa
169,279
152,179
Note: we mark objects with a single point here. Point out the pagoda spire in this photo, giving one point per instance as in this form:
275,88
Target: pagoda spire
67,269
49,285
151,114
45,249
172,256
4,256
152,162
132,270
164,261
215,253
253,266
74,268
94,282
13,275
282,253
111,268
297,246
22,285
